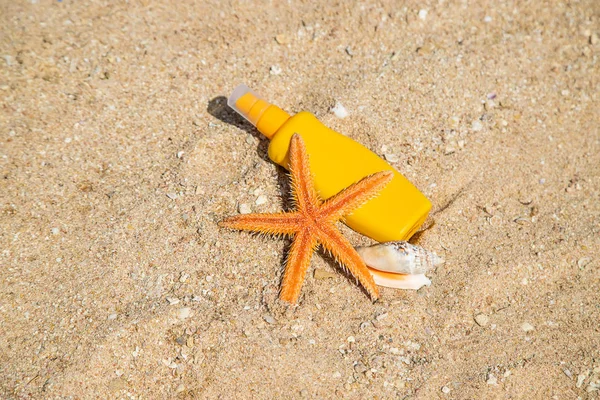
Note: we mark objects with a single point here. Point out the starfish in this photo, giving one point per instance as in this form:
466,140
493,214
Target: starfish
314,222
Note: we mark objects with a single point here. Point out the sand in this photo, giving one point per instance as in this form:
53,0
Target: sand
118,158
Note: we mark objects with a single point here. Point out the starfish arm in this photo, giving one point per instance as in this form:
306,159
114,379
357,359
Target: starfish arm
296,266
336,244
272,224
355,195
305,195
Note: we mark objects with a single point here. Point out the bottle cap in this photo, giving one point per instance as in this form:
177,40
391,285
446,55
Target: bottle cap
266,117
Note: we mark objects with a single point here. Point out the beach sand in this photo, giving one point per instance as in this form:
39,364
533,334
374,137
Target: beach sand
118,157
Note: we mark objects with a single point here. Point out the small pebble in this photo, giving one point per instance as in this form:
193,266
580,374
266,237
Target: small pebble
260,200
172,196
453,122
381,317
482,319
492,380
476,125
8,60
582,262
183,277
55,231
180,154
180,388
282,39
423,14
449,150
487,19
405,360
269,320
184,313
172,300
445,389
339,110
412,346
391,157
527,327
351,339
275,70
112,317
244,208
568,373
336,374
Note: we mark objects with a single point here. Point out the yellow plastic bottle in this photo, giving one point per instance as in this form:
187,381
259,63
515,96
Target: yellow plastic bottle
336,162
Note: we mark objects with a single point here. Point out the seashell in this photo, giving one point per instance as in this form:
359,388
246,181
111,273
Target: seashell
399,281
399,265
399,257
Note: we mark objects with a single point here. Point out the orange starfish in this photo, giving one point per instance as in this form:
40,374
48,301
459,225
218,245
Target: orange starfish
313,223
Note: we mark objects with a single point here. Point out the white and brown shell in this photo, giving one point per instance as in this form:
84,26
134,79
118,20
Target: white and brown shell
399,265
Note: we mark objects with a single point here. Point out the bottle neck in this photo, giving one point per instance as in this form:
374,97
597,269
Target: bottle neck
271,120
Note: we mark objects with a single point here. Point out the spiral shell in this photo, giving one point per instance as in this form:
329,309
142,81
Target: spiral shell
399,265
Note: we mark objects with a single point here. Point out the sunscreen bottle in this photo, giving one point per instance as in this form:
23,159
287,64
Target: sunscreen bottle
337,162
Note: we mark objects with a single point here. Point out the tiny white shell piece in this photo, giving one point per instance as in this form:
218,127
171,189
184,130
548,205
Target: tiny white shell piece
399,257
399,281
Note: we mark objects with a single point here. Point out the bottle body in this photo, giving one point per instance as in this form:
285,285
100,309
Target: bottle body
337,162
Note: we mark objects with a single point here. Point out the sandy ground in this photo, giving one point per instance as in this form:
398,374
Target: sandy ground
118,158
